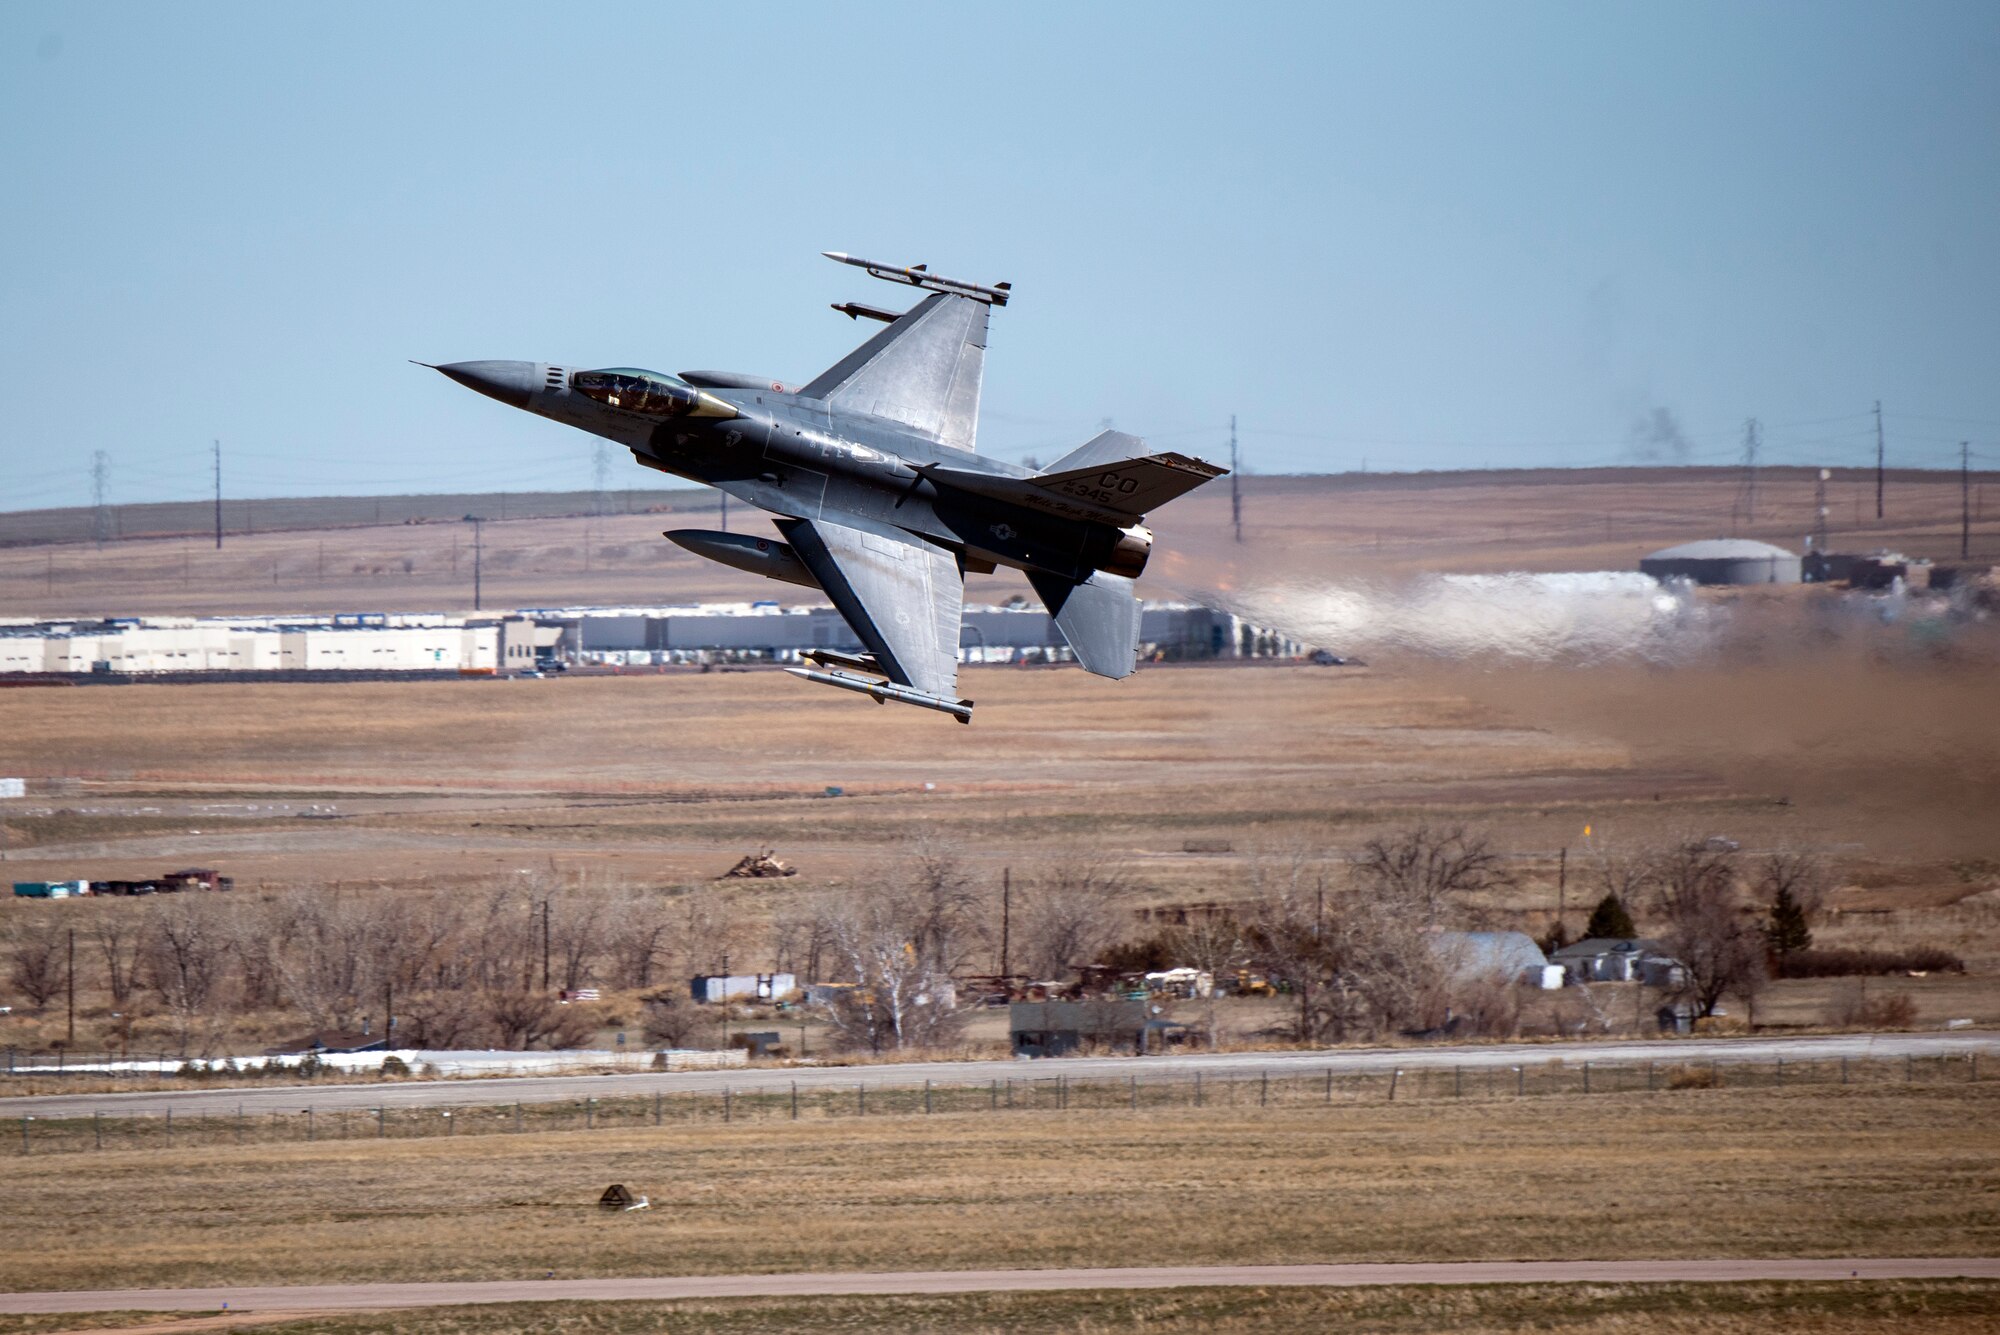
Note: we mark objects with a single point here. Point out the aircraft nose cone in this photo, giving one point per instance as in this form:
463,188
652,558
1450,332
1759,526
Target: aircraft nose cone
509,382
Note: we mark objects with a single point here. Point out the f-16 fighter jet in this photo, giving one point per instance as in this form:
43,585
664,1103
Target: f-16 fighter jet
881,500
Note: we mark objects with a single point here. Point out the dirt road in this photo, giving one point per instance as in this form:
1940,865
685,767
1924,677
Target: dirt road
352,1297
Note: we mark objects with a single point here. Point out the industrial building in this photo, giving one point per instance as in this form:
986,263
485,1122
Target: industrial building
539,638
1724,561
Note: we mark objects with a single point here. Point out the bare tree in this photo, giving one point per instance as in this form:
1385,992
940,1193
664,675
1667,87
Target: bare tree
115,931
521,1020
1802,873
187,952
1720,952
576,936
1072,908
638,926
1423,869
673,1019
35,946
1214,944
897,996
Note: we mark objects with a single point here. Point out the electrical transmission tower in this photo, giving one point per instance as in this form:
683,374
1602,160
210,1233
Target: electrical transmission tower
1747,500
1964,499
1881,452
1820,511
601,469
100,517
1235,488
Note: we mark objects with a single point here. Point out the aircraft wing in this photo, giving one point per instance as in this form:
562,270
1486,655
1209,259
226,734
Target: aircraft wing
902,597
923,370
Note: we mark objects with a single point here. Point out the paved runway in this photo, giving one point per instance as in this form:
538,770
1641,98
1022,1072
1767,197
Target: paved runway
361,1297
214,1102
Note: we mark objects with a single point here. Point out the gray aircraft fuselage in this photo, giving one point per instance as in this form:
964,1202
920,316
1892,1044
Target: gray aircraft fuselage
794,457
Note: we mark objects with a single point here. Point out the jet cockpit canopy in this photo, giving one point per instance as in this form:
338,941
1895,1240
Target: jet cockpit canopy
650,393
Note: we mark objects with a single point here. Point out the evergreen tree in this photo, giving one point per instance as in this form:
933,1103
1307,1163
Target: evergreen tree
1609,919
1787,931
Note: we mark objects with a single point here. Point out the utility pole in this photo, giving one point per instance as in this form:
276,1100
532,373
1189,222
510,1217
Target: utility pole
1881,454
1006,919
218,495
1820,511
1562,886
478,549
545,945
1235,490
100,515
71,981
1964,499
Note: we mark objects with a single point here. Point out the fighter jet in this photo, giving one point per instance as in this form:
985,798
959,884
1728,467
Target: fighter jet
881,500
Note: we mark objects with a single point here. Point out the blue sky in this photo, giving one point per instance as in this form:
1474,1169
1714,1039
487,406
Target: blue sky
1415,235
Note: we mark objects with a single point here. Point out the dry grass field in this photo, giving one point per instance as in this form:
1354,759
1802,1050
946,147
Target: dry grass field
1930,1308
1865,1170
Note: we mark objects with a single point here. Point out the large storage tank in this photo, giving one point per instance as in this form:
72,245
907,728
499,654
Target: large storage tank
1724,561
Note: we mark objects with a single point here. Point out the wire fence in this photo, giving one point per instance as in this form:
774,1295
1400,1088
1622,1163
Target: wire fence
1288,1088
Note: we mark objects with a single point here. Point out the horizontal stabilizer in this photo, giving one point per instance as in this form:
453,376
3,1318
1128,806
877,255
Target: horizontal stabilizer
1099,618
1115,491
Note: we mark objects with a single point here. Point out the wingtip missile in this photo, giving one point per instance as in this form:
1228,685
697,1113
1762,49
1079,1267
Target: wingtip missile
919,275
881,692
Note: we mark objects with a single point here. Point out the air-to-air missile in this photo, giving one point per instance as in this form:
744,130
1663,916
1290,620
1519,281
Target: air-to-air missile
884,691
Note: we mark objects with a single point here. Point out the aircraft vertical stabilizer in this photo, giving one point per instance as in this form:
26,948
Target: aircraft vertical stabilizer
1099,617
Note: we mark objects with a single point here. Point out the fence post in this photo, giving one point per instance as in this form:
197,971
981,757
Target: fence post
517,1119
1010,1093
795,1100
170,1128
1972,1064
309,1126
1135,1093
239,1124
1197,1089
24,1134
1263,1088
927,1098
1329,1085
1909,1068
993,1095
382,1120
1781,1073
97,1128
1649,1077
1458,1082
1393,1076
1586,1077
656,1104
1062,1093
1843,1070
590,1111
728,1111
861,1100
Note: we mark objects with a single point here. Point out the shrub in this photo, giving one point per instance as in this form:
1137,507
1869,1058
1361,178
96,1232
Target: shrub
1852,1008
1691,1077
1865,963
394,1065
